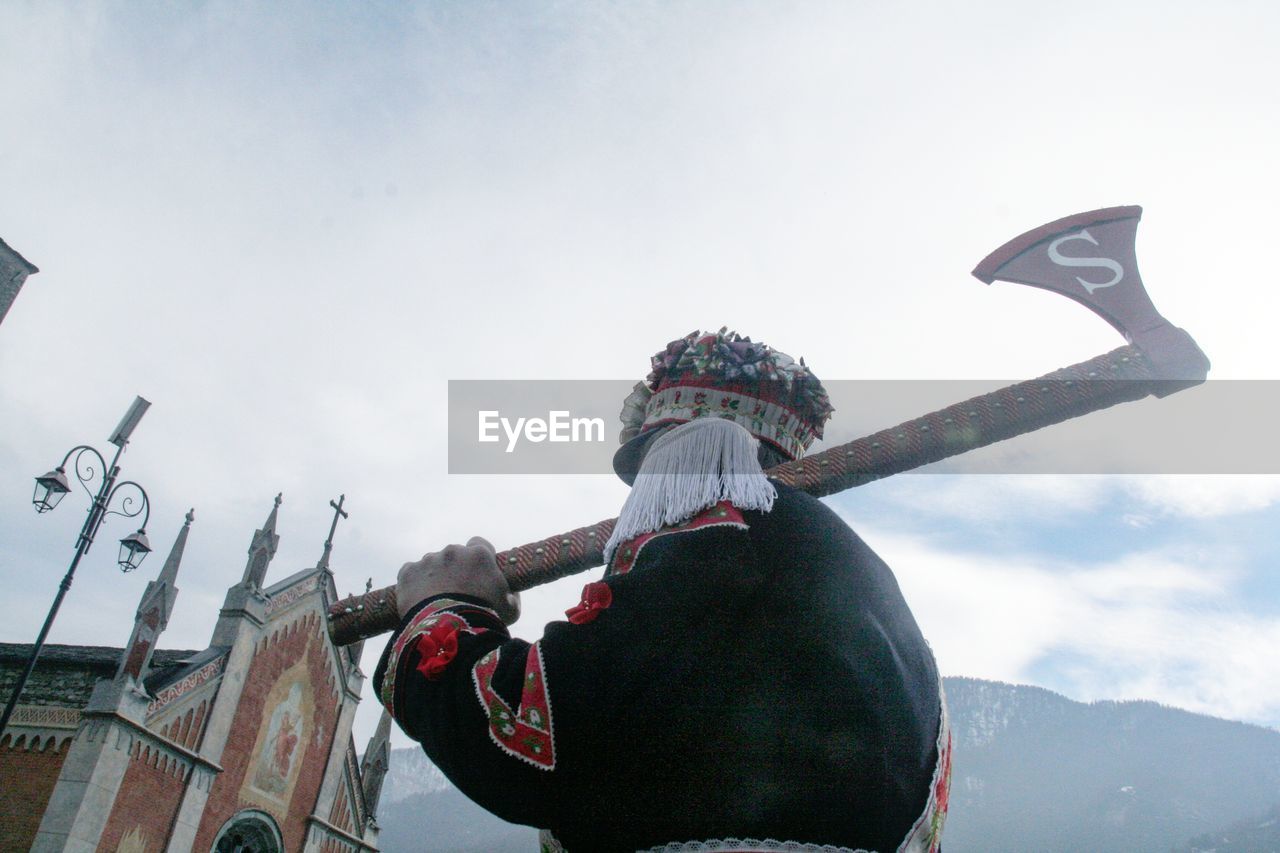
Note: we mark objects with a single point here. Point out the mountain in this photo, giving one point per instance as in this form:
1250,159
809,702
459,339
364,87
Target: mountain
1258,834
1033,771
421,811
411,773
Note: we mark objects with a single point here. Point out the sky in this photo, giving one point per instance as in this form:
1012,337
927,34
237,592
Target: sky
289,225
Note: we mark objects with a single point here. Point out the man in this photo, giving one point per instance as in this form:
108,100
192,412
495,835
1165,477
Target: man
746,677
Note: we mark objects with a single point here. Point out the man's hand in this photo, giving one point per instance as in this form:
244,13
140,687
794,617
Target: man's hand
470,569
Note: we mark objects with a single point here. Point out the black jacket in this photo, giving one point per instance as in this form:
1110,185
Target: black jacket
754,675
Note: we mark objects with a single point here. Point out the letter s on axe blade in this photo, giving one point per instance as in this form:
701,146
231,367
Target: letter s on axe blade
1091,258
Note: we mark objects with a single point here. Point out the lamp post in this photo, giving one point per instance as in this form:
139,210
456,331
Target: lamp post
53,486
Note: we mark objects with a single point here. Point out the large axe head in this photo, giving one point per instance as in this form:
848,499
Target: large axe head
1091,258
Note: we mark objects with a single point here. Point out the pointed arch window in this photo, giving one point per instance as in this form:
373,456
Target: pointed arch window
249,831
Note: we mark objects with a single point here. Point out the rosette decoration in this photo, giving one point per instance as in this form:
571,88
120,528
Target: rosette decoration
436,649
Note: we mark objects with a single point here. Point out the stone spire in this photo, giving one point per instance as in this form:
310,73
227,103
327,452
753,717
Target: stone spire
14,270
154,611
261,549
377,758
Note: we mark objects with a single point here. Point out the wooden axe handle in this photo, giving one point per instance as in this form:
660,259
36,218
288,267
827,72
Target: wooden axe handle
1119,376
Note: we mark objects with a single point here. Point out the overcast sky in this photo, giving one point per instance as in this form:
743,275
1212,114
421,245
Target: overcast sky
289,224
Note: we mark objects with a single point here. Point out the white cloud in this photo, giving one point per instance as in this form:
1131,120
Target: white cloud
993,497
1050,499
1204,496
1157,625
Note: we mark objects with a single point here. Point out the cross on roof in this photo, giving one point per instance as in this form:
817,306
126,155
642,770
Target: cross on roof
328,543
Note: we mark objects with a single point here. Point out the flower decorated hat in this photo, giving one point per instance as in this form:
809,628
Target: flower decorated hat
724,375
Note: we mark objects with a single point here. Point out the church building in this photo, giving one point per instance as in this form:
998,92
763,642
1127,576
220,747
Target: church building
242,746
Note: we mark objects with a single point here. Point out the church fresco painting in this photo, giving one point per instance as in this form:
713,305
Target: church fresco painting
285,728
276,759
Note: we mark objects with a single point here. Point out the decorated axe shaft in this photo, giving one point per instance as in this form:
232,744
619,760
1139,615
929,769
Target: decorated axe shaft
1122,375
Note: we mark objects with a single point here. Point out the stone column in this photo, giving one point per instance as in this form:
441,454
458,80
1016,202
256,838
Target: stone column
92,772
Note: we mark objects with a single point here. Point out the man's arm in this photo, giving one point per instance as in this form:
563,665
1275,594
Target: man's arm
457,683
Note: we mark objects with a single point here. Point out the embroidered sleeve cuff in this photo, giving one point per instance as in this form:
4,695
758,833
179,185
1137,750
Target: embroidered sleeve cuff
427,640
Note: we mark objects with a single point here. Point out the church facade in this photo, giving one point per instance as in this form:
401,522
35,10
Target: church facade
242,746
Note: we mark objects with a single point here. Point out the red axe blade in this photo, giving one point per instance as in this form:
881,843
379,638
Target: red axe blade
1091,258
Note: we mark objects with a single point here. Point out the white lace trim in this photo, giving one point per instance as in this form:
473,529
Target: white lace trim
923,838
496,654
550,844
635,558
751,845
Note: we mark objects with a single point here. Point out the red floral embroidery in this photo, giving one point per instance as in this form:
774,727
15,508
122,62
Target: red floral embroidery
595,598
435,649
525,733
431,619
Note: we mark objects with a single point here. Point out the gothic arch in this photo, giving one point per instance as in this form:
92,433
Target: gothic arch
249,831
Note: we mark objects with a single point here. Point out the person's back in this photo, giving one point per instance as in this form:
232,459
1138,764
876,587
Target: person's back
747,676
757,684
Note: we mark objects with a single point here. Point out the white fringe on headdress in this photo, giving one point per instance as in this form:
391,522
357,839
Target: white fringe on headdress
688,469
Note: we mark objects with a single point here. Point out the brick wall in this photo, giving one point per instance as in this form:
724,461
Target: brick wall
302,638
186,729
340,814
148,799
28,772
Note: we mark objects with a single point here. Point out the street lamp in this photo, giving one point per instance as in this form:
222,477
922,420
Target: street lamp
50,488
132,549
132,502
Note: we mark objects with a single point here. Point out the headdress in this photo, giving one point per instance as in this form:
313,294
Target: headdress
724,375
